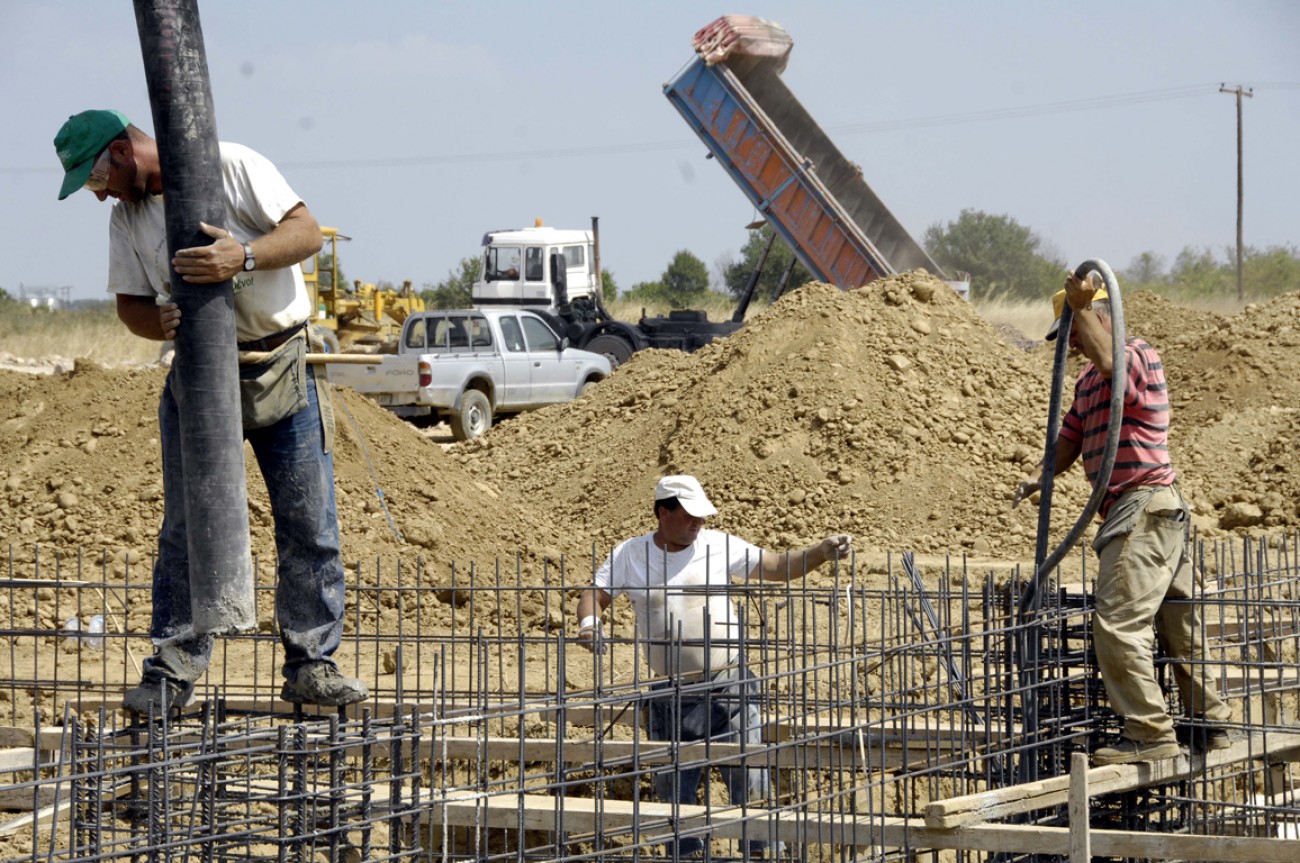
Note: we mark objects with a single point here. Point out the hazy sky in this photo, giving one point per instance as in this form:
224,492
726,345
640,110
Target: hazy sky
416,126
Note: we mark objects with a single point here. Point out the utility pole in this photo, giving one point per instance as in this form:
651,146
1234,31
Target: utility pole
1239,91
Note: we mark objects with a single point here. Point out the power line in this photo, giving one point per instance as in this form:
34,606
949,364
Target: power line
1062,107
992,115
1093,103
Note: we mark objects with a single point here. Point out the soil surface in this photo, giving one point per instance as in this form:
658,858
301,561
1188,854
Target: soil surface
893,412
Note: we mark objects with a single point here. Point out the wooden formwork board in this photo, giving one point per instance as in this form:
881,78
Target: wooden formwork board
653,823
1109,779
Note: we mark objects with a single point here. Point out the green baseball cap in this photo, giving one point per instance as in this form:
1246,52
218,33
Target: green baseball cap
81,140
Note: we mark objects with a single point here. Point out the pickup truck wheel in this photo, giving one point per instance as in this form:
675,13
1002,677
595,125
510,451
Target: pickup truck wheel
614,348
474,418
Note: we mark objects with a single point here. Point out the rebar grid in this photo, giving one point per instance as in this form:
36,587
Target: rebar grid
491,736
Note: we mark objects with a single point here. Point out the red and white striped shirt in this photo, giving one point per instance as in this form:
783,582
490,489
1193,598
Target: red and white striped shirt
1143,454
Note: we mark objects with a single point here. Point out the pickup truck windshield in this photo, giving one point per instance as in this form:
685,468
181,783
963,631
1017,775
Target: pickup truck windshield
449,333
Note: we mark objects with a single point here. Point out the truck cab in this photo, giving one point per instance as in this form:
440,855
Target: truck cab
519,269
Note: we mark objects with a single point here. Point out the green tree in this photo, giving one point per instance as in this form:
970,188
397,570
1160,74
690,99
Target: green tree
608,287
647,294
1271,271
737,274
1001,255
685,281
1146,270
1196,273
1265,272
453,292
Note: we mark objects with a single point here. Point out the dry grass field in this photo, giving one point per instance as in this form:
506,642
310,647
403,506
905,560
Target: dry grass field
96,333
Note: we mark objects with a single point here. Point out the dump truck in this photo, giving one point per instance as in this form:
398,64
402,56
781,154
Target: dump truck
813,196
359,317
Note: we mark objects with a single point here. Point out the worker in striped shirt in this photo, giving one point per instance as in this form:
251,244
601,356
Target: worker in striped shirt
1144,556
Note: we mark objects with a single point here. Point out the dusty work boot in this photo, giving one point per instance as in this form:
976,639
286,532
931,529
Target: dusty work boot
1125,751
321,683
159,693
1207,738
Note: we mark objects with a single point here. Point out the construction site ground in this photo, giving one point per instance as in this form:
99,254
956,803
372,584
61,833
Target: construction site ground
894,413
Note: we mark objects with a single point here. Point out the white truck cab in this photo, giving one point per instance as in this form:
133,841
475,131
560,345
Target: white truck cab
518,270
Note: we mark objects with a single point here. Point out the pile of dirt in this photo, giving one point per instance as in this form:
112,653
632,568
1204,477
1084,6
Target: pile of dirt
893,412
81,467
1235,385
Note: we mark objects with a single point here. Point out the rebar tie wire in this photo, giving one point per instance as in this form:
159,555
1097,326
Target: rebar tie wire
374,480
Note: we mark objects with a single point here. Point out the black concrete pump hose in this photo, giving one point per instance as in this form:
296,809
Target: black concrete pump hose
205,374
1045,564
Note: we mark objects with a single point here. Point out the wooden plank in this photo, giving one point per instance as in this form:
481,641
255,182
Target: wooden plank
11,736
52,811
51,739
32,819
920,731
1269,679
1080,840
18,758
653,822
840,754
1110,779
1239,630
25,798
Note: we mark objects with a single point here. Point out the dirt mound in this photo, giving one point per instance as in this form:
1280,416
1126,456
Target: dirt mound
1163,323
1236,388
893,412
82,467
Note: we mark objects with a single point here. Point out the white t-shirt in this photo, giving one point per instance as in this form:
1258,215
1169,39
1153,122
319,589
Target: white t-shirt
257,198
671,593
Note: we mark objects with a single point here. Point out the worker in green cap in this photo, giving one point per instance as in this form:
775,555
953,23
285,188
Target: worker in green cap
268,230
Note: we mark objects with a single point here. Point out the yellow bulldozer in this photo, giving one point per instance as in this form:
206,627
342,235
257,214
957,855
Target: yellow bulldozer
360,317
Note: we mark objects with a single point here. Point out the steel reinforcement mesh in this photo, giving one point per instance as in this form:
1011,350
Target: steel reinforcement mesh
892,706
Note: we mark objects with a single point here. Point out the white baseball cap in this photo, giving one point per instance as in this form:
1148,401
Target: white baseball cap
688,491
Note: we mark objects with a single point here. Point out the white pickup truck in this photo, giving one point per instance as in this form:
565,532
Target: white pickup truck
466,366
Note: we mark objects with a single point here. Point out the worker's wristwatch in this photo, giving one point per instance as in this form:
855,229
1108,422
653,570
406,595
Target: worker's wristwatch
250,263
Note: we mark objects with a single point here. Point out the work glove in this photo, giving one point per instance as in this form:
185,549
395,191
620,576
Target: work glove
1028,488
593,639
837,546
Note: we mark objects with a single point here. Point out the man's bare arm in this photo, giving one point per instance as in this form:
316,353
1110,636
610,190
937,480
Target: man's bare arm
796,563
1067,451
295,238
146,319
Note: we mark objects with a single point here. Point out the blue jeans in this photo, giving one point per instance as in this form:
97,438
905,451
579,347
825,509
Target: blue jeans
726,712
299,477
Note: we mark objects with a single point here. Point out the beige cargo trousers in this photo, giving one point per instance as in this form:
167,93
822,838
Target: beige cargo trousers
1144,559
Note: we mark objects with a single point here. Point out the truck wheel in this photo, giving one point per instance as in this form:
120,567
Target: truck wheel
474,418
614,348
